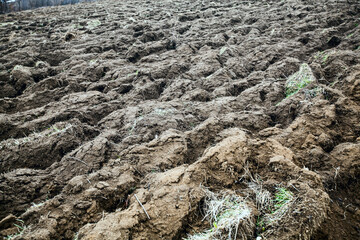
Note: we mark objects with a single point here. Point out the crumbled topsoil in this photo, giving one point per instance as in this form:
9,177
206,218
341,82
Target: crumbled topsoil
109,104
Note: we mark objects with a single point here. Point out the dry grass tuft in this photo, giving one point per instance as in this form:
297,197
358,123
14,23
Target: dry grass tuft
228,215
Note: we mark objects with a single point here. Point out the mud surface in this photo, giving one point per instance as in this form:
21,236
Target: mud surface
7,6
104,102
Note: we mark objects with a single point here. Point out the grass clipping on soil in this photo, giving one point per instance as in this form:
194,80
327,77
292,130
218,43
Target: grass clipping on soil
282,203
228,215
299,80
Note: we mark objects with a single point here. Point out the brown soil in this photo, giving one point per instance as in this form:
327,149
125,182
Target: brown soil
103,101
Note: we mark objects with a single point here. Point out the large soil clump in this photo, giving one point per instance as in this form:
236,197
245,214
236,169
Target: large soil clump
181,119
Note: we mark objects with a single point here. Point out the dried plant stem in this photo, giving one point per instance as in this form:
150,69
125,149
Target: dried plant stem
142,206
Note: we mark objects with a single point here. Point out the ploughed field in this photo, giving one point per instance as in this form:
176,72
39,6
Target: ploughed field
181,119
